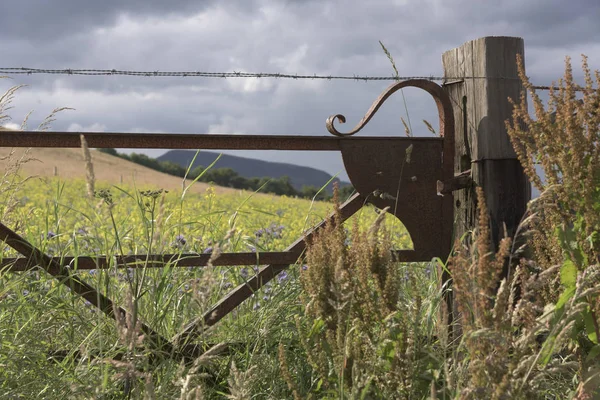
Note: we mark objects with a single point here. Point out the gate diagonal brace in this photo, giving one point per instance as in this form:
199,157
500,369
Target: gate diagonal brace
264,275
102,302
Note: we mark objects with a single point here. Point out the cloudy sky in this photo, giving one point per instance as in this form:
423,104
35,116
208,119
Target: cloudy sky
294,36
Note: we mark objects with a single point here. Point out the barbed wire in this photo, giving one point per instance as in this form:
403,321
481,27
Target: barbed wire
198,74
234,74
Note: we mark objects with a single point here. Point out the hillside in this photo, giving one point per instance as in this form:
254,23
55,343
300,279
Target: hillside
253,168
69,164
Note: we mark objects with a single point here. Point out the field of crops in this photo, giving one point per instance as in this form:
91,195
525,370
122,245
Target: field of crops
38,315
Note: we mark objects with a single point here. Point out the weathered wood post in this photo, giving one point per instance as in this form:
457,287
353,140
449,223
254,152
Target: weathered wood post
486,76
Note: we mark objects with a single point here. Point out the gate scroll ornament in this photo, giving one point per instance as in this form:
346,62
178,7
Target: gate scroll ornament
409,175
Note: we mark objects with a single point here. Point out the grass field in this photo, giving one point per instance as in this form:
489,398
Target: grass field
38,315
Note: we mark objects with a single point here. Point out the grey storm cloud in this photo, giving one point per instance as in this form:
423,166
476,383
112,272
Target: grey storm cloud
305,37
45,21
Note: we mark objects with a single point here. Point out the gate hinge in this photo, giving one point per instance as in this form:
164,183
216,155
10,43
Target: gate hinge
459,181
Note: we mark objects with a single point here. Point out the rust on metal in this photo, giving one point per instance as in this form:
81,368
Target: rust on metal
86,263
181,141
158,260
403,175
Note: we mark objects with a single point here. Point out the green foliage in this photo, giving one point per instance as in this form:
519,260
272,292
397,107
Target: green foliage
363,328
564,140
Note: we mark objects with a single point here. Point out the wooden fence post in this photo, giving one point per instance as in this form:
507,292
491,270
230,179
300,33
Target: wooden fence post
483,75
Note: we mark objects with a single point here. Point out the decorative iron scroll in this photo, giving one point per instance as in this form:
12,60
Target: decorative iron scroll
439,95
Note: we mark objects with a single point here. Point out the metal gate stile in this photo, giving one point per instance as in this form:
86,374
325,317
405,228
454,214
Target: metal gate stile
376,166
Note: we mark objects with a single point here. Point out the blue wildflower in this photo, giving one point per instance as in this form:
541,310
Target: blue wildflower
25,292
244,273
180,240
50,235
283,275
256,306
304,267
208,250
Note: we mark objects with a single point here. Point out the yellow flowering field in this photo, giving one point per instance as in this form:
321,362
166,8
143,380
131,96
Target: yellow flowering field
60,218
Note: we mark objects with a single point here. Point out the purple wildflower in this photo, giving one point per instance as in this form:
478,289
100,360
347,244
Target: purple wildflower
50,235
304,267
283,275
256,306
180,240
208,250
244,273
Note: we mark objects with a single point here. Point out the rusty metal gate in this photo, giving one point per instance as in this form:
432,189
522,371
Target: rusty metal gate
375,165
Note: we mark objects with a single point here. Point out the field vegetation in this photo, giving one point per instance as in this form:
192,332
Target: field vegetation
347,322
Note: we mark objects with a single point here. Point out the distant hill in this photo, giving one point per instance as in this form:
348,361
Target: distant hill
253,168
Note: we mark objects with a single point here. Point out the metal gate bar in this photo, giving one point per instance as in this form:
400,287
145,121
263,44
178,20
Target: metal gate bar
187,260
187,141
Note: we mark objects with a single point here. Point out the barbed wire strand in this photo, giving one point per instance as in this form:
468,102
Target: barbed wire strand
235,74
